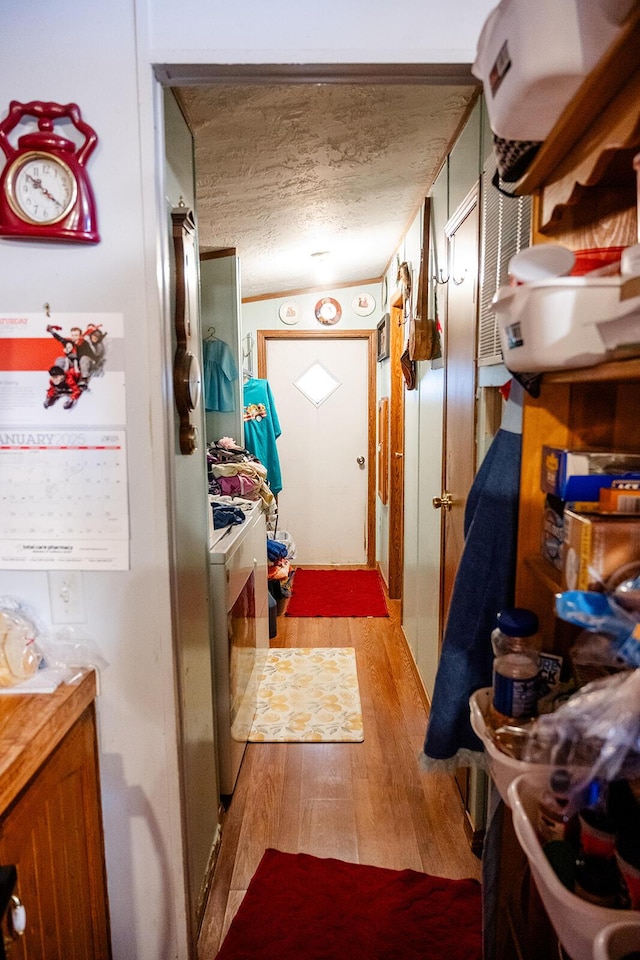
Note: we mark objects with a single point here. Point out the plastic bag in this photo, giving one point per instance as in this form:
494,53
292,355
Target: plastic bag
72,647
20,655
596,732
285,538
600,613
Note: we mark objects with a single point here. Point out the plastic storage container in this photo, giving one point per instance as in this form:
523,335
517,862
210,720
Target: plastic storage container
532,57
503,768
567,322
576,921
617,941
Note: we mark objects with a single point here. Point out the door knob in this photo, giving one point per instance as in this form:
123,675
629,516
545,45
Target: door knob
360,461
446,501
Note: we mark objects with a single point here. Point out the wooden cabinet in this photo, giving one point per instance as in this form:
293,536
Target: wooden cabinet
51,826
584,195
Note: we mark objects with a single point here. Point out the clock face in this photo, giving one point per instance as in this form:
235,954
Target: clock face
40,188
187,381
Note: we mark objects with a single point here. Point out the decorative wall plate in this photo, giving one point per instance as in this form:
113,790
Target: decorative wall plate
328,311
363,304
289,312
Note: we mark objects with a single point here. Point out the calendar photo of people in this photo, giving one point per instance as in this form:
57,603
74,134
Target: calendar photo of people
63,468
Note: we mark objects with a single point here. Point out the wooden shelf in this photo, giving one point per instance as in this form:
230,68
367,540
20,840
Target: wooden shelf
615,371
584,195
545,573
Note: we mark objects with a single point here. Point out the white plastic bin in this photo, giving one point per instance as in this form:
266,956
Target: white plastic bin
576,921
566,322
503,768
617,941
532,57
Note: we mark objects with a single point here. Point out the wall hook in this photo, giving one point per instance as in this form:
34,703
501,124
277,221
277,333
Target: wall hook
461,280
441,278
250,344
47,310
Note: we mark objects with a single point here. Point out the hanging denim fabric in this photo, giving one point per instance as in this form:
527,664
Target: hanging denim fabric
484,584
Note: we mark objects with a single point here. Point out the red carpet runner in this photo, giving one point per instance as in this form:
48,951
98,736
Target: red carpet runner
337,593
300,907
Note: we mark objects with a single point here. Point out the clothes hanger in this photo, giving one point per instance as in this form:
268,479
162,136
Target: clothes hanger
211,334
247,369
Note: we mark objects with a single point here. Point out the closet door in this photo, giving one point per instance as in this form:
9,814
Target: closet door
459,460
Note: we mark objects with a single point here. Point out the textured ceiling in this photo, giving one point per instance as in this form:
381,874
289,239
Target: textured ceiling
287,170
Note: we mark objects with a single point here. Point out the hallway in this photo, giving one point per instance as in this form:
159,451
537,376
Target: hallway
367,802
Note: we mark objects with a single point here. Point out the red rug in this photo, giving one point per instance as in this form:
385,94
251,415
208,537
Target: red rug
337,593
300,907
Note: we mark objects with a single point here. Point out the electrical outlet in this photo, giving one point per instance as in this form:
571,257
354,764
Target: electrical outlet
66,596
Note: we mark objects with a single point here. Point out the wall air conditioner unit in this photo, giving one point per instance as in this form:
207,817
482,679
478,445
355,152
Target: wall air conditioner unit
505,229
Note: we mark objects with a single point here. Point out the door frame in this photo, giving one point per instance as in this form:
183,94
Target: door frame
396,448
263,337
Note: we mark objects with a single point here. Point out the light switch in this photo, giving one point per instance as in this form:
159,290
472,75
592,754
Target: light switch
66,596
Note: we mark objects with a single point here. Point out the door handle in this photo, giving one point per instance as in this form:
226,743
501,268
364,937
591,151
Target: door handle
360,461
445,501
398,456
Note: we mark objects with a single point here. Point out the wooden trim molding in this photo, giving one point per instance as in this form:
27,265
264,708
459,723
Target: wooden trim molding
396,450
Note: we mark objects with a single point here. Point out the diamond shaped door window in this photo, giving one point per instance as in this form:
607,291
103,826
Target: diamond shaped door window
317,384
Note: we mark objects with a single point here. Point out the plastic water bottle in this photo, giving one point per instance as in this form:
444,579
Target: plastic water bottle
516,666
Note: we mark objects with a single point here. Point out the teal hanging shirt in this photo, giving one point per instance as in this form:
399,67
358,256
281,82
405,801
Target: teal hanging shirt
218,376
262,428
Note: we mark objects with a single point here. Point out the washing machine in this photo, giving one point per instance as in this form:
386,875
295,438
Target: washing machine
239,633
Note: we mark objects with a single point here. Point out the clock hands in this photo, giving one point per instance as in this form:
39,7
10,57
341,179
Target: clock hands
38,185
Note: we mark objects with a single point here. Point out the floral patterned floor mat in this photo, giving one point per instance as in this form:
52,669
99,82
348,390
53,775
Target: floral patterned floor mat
309,694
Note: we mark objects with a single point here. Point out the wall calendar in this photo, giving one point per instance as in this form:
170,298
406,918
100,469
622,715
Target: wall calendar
63,463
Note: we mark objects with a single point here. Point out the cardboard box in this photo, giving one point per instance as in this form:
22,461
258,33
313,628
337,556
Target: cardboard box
580,474
597,545
616,499
552,540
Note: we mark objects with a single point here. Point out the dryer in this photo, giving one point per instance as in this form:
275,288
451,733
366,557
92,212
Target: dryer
239,633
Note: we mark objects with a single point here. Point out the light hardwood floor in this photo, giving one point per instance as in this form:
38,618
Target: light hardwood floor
367,802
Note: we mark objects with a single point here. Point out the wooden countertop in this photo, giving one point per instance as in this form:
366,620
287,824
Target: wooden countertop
32,725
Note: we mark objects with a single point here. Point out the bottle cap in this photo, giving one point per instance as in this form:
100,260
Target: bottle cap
517,622
560,780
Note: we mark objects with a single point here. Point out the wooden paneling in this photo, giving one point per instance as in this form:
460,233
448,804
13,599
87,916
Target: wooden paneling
396,449
52,832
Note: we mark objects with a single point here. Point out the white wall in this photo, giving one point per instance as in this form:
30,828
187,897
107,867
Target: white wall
100,55
85,53
302,31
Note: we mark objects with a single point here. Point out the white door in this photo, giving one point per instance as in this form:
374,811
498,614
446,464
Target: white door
323,447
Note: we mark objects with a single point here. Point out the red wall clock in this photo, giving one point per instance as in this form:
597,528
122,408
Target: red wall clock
45,193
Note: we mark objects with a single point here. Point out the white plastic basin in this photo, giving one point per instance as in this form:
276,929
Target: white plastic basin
577,922
617,940
502,767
